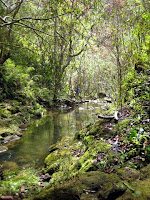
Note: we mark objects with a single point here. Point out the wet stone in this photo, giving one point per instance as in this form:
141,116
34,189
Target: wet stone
11,138
3,149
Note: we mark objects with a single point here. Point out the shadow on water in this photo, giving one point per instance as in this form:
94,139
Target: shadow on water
33,147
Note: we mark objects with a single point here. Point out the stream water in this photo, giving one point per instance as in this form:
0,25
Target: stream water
33,146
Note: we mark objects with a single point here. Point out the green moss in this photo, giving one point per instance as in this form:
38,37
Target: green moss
148,153
97,185
94,149
88,139
122,126
128,174
63,192
8,130
139,190
111,186
8,108
80,134
5,113
133,152
96,128
145,172
64,163
51,158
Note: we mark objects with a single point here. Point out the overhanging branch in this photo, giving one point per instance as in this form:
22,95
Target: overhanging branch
72,56
29,18
77,54
3,2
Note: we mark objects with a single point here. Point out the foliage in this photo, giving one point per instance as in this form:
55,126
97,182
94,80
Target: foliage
14,180
136,92
54,37
19,83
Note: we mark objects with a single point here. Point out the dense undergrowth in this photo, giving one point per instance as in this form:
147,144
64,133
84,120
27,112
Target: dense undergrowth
21,98
22,84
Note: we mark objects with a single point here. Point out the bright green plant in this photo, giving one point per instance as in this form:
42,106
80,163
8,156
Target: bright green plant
15,179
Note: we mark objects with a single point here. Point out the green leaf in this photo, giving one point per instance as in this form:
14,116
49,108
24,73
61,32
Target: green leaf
133,133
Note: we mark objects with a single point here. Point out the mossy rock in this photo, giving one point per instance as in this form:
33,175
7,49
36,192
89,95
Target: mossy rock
94,129
80,134
128,174
8,129
8,108
65,193
53,148
145,172
11,138
94,185
54,160
75,157
94,149
122,125
138,190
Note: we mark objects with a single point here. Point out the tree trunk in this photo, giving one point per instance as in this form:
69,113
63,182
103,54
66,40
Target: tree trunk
4,58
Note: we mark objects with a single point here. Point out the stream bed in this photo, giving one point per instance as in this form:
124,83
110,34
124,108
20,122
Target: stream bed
33,146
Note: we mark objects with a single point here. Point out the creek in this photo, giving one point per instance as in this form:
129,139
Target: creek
33,146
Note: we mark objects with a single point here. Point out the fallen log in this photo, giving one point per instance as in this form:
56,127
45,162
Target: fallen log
106,117
115,116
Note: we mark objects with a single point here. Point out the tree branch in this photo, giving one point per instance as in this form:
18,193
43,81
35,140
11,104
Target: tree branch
74,55
3,2
34,29
2,19
30,18
17,9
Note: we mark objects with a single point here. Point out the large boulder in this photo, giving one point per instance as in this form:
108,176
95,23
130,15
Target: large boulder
90,185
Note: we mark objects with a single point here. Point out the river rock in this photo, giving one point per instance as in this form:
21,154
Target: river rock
3,149
11,138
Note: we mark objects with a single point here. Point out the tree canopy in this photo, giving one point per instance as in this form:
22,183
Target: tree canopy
91,44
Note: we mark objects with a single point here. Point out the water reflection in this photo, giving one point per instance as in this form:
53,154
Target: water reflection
32,148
